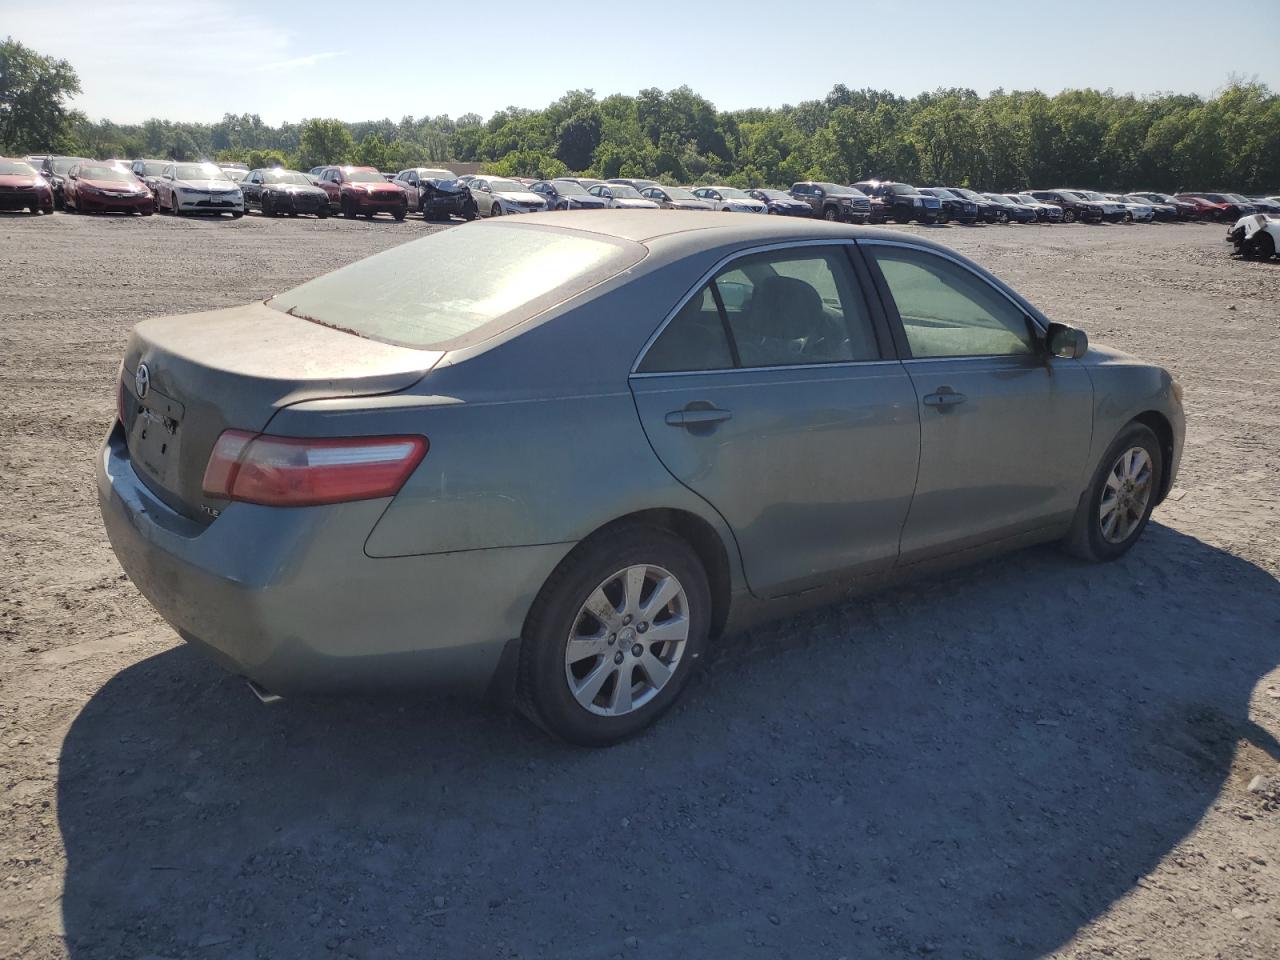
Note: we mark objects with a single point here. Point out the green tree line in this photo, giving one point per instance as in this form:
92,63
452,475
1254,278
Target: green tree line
954,136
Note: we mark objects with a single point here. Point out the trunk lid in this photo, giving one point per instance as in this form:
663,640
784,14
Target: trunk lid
188,378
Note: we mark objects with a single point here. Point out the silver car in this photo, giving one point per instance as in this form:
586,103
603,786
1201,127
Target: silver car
564,456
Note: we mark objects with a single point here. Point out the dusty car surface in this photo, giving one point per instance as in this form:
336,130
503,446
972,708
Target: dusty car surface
564,455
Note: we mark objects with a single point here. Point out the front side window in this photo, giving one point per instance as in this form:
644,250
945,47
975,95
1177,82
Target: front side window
780,308
949,311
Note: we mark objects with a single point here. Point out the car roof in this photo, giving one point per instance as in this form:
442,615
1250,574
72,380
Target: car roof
645,226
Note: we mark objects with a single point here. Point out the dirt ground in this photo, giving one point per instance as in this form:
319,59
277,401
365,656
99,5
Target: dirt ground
1033,757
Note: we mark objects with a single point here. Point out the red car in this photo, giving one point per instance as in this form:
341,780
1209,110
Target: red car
1205,209
104,187
356,191
21,188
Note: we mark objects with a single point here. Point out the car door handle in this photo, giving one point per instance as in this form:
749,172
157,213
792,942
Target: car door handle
697,416
944,398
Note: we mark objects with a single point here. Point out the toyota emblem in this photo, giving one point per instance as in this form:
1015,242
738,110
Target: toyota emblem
142,381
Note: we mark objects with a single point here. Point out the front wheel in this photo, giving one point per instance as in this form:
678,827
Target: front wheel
1260,247
401,213
495,210
831,214
348,209
1069,216
614,635
1115,509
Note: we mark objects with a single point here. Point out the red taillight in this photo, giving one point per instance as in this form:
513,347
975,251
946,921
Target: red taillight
303,471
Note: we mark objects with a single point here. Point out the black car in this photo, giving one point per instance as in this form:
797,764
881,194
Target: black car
832,201
987,210
781,203
1184,209
437,193
1010,212
954,207
900,202
1074,207
567,195
54,169
276,191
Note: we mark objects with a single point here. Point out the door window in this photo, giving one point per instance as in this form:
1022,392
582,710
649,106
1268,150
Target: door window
949,311
781,308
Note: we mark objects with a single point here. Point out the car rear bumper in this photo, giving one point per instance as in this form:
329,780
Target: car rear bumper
288,598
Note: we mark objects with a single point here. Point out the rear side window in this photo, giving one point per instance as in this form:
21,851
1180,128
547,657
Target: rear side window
947,310
780,308
458,286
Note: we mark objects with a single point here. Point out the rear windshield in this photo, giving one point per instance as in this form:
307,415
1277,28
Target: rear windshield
458,286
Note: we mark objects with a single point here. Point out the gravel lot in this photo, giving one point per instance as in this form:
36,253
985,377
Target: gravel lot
1029,758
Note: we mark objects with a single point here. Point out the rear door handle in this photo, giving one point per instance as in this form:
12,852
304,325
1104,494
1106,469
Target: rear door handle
698,416
944,398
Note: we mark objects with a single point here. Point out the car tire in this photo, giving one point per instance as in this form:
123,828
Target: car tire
1129,477
495,210
237,214
401,214
1259,247
1068,216
1128,216
348,209
267,205
323,213
599,571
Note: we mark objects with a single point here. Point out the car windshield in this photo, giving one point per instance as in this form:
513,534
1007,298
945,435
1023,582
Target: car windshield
1093,195
967,194
996,198
1237,198
1014,198
621,191
63,164
568,188
775,194
16,168
153,168
285,176
102,171
940,192
732,193
507,186
364,176
458,286
904,190
200,171
1069,195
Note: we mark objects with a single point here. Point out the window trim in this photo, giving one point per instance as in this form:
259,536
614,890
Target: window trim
851,252
890,305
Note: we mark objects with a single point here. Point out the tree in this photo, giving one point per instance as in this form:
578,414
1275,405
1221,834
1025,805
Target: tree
33,94
577,139
372,151
324,142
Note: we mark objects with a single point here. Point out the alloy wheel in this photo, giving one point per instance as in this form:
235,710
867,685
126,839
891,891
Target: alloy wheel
1125,495
627,640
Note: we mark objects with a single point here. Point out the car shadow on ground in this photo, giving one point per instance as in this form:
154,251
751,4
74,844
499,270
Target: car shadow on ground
973,766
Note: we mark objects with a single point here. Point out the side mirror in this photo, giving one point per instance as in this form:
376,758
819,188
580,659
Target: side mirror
1066,341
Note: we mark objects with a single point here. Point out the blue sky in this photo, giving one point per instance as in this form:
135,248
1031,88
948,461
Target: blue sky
359,60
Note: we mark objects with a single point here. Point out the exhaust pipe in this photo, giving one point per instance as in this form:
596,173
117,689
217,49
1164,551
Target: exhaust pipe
263,694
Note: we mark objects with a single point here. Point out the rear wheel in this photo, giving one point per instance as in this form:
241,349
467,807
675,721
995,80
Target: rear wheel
1115,509
831,214
614,635
1069,216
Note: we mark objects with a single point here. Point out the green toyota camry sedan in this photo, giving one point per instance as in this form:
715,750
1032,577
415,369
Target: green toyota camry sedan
561,456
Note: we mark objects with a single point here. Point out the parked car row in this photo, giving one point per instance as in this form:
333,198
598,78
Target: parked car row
437,194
